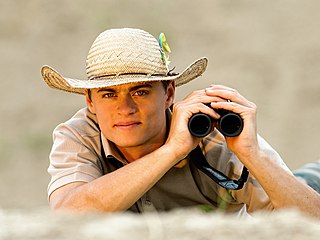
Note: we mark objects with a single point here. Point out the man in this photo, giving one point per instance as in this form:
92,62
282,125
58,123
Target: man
128,151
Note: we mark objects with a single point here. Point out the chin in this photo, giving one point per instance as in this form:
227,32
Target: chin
127,144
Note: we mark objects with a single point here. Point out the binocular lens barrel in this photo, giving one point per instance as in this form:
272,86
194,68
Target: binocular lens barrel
200,125
229,124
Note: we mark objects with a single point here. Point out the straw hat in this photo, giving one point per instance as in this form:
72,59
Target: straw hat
120,56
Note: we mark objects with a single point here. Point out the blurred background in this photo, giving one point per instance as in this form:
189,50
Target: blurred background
268,50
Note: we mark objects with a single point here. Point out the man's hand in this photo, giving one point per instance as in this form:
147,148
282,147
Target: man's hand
179,135
247,142
220,97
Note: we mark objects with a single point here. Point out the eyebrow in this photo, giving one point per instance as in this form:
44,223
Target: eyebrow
134,88
143,85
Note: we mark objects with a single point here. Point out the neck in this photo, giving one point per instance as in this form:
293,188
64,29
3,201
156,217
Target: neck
134,153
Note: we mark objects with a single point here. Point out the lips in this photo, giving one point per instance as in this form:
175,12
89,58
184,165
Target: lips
127,124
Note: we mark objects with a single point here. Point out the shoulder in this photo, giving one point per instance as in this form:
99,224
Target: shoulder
272,153
76,151
82,127
84,122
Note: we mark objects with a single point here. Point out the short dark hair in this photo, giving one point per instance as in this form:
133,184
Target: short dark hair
89,93
165,84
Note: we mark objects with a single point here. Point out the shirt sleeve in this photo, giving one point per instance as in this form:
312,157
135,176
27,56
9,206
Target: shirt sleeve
74,157
252,194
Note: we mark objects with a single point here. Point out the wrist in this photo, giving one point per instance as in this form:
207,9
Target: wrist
174,153
251,156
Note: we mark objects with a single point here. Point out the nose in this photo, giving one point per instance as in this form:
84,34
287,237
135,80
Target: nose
126,105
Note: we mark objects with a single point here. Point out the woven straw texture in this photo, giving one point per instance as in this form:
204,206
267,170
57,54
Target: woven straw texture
120,56
124,51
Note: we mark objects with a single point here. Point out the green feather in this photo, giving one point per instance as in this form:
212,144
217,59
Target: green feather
163,43
164,47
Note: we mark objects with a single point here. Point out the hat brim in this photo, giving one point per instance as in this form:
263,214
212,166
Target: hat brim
55,80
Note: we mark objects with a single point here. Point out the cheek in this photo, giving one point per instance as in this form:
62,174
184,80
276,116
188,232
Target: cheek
156,113
104,119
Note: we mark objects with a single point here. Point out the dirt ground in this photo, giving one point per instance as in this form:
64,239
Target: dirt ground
179,224
268,50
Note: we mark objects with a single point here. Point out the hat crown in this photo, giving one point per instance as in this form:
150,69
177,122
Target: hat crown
124,51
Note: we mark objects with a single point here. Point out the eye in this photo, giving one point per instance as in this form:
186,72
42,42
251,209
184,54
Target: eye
140,93
109,95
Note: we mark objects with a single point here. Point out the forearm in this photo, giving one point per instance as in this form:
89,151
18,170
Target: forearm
283,189
119,190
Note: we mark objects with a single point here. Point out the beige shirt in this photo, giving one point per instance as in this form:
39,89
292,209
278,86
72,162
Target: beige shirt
80,153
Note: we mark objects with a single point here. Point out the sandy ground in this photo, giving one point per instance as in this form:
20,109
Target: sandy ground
268,50
182,225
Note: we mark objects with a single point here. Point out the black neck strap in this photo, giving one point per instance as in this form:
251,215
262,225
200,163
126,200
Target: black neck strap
201,163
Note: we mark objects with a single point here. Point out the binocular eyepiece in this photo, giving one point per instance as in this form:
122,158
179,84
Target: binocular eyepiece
229,124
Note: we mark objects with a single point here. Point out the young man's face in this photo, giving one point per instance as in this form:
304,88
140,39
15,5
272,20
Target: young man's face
132,115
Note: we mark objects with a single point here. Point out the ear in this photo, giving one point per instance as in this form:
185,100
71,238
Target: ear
170,94
89,101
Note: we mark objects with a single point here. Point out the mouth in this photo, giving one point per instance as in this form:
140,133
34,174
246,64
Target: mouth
126,125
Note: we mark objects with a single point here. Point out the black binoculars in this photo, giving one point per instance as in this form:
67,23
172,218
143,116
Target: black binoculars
229,124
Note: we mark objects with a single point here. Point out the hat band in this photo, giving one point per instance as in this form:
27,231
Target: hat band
106,76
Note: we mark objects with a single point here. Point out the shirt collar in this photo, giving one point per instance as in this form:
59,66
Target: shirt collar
111,150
